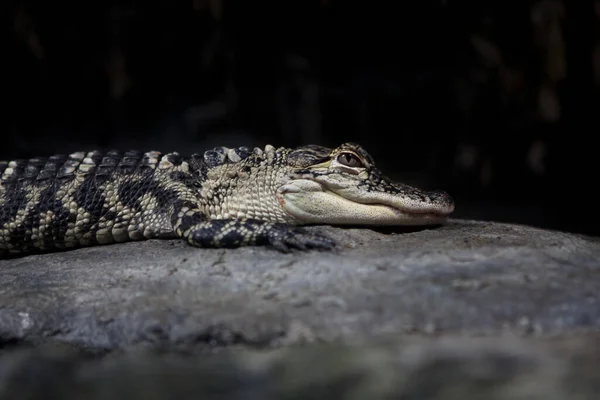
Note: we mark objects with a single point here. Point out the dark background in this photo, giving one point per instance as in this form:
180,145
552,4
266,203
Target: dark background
493,101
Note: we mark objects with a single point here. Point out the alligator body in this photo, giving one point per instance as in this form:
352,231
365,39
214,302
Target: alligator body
222,198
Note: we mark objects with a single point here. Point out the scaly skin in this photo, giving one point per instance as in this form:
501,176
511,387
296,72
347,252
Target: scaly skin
222,198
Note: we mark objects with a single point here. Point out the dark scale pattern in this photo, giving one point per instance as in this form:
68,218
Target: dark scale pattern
47,202
33,184
73,201
225,197
18,195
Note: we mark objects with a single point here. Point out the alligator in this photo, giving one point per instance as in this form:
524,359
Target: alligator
225,197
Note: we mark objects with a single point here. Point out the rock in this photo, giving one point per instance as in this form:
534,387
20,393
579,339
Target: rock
468,277
408,368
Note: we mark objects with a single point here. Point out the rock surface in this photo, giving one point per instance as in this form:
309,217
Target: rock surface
465,277
112,314
410,368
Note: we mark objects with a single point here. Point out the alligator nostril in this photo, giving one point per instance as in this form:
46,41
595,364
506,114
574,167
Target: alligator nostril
438,194
442,198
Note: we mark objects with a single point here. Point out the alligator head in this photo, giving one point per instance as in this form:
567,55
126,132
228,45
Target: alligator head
343,186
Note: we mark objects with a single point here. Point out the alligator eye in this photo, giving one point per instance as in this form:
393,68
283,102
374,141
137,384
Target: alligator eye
350,160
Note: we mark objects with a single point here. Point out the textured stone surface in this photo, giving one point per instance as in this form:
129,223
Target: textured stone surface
410,368
467,277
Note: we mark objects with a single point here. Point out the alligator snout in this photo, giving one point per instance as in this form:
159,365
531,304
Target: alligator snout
443,203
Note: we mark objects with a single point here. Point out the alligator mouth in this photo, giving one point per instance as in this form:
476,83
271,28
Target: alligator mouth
443,212
421,213
417,214
313,202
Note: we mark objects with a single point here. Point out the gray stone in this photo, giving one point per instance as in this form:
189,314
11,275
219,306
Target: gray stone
466,277
408,368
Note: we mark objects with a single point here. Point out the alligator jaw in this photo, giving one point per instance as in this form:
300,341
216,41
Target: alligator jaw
310,202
